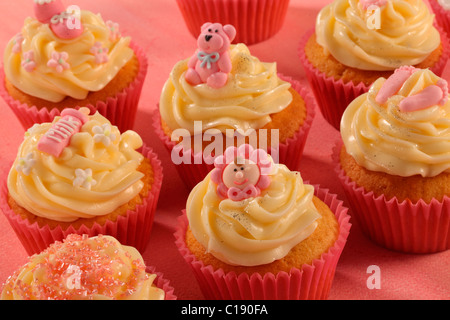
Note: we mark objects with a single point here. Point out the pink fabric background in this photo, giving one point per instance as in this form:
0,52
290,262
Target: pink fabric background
158,27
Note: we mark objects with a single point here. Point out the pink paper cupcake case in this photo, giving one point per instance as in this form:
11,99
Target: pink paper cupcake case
290,152
133,229
310,282
119,110
254,20
442,16
162,283
333,96
406,226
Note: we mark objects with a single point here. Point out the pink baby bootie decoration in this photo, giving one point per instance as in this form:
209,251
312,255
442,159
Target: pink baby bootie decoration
63,24
436,94
211,63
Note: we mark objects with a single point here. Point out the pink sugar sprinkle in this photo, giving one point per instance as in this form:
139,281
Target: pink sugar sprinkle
85,262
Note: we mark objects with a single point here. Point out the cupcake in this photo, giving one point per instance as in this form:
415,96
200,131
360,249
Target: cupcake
86,268
252,229
222,96
71,58
356,42
441,9
79,174
256,21
393,161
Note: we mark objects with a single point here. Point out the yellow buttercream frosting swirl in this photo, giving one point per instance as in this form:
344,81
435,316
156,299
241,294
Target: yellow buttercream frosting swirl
81,268
381,137
84,73
257,230
253,92
405,35
95,174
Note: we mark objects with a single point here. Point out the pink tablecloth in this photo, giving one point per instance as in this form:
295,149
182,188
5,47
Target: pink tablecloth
157,26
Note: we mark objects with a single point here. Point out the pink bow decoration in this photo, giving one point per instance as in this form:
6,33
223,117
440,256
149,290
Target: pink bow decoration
207,58
237,194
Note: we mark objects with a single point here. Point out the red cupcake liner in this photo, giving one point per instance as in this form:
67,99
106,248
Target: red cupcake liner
310,282
255,21
333,96
133,229
119,110
194,169
442,16
400,226
162,283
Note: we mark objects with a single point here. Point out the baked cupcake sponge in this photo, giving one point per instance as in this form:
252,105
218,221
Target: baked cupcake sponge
412,188
148,179
121,81
305,252
331,67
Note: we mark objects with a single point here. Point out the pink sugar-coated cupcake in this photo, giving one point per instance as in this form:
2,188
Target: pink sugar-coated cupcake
87,268
255,20
337,74
442,13
112,189
89,64
392,163
245,253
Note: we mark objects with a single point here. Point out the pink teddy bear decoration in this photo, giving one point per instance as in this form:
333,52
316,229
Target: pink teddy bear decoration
62,23
241,173
211,63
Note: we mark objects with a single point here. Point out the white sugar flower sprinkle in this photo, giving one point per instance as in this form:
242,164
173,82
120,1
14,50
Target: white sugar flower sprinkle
104,134
83,179
25,164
